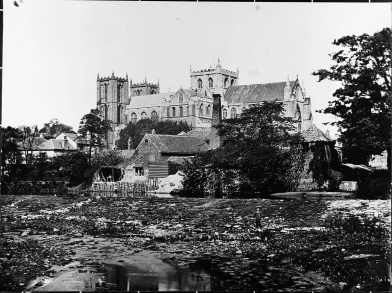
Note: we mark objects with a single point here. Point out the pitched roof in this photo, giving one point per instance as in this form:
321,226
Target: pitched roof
178,160
313,134
55,145
205,133
255,93
176,144
70,135
193,93
148,100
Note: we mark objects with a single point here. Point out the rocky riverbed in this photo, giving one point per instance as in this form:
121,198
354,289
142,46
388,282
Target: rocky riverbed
62,243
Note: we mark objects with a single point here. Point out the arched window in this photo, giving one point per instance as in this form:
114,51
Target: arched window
232,82
118,93
154,116
194,110
298,117
201,110
143,115
205,93
168,111
210,83
133,118
224,116
153,92
174,111
208,111
187,110
106,112
118,114
181,112
199,84
181,98
225,82
233,113
106,92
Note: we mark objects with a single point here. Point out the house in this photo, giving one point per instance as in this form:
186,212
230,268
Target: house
55,147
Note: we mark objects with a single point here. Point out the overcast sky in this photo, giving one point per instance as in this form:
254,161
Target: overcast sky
53,50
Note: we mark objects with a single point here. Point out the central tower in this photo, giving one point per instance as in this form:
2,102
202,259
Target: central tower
207,81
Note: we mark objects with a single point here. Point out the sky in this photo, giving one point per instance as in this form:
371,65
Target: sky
53,50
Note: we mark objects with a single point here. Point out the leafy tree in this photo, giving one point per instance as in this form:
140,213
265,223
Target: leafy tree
55,128
75,164
138,130
363,102
261,147
106,159
10,152
29,141
94,129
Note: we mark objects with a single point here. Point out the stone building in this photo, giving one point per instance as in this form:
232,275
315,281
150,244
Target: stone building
124,102
112,99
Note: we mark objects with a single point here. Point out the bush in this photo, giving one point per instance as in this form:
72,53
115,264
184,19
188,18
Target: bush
375,186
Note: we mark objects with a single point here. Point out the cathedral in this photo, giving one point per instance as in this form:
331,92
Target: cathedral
122,102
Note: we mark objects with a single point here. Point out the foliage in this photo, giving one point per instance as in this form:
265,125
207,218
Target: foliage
29,141
105,159
10,152
94,128
73,164
363,102
195,177
54,128
260,152
138,130
375,186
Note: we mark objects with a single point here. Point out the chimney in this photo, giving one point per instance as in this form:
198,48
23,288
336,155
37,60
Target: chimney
65,143
216,109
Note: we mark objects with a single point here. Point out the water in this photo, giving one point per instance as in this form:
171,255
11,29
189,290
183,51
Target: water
154,275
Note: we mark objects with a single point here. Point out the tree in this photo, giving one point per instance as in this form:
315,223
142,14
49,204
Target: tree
30,141
363,102
94,129
74,165
260,148
136,131
54,128
107,158
10,152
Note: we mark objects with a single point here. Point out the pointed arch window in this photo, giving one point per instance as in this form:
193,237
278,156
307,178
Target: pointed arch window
181,112
194,110
210,83
201,110
225,82
118,114
143,115
199,84
154,116
187,110
174,111
232,82
224,114
233,113
181,98
133,118
118,93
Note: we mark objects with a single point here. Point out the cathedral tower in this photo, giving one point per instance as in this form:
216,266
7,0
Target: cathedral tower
144,88
207,81
112,99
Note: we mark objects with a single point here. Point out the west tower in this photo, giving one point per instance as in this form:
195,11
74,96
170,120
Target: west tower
112,98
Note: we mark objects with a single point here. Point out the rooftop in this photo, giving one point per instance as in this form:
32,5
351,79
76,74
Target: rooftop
314,134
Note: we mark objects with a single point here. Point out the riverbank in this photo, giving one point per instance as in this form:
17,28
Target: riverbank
299,247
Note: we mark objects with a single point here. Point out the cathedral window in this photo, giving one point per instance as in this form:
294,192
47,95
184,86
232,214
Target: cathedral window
106,113
201,110
224,116
174,111
181,112
199,84
118,114
143,115
194,110
133,118
118,93
168,112
232,82
154,116
210,83
153,92
187,110
181,98
233,113
225,82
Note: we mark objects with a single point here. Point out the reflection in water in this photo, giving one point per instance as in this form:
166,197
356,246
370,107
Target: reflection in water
132,278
